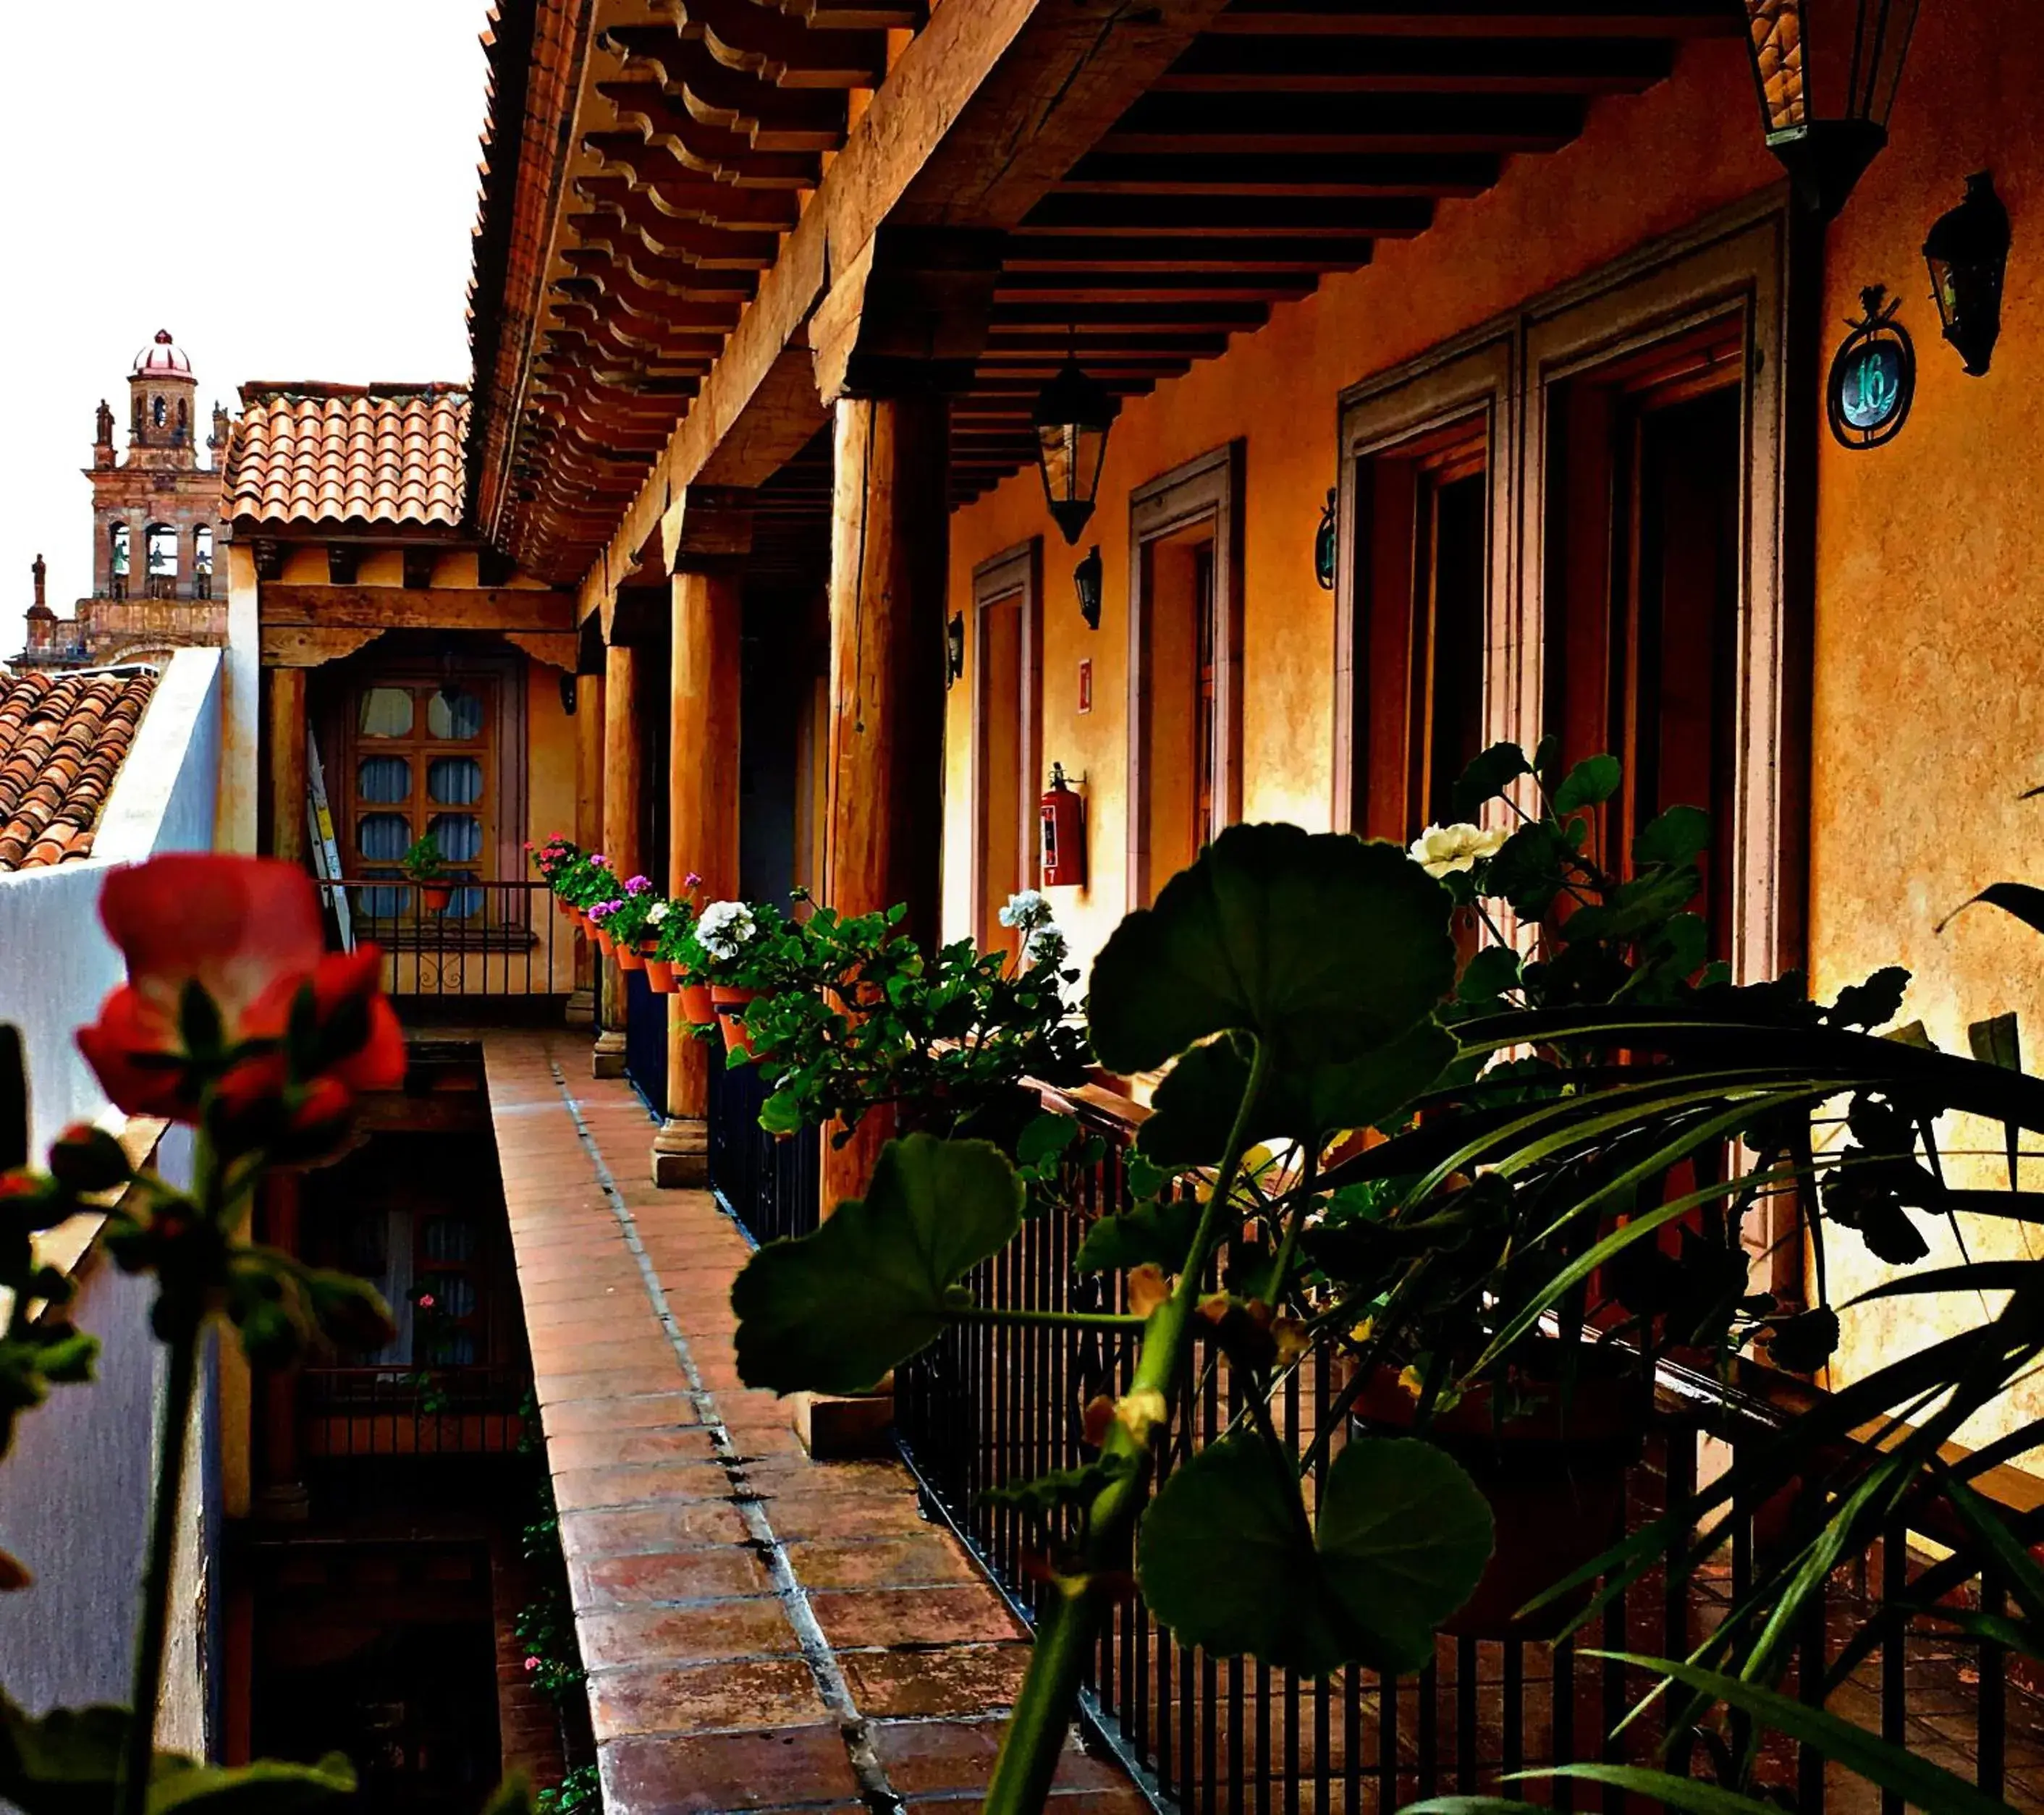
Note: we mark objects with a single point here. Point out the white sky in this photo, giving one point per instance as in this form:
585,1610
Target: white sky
288,186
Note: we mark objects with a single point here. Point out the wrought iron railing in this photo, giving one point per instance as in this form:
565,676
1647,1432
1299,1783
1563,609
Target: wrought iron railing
411,1409
771,1185
452,948
992,1406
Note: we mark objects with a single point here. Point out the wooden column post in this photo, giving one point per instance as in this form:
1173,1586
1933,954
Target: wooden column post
588,833
279,1492
889,563
621,779
702,821
285,733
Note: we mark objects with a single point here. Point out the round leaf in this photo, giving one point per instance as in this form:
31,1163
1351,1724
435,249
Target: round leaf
1227,1561
1320,942
1195,1105
833,1311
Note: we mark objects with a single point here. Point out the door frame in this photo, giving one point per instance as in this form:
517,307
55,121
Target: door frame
1207,489
1014,571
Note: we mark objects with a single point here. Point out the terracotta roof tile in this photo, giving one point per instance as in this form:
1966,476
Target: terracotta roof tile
334,454
62,737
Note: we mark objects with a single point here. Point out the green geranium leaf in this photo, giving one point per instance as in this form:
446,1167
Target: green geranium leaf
1528,869
1226,1559
833,1311
1156,1233
268,1787
1320,942
1043,1138
1680,835
1591,783
1196,1105
782,1113
1634,907
1873,1003
1491,972
1487,777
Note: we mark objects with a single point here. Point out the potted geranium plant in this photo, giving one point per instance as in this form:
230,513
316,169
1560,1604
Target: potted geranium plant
426,869
626,919
556,860
741,950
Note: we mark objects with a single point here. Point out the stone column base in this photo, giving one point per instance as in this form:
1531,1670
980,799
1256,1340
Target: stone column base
680,1154
582,1008
844,1427
608,1058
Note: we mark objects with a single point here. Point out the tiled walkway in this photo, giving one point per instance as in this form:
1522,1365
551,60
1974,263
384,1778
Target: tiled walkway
761,1631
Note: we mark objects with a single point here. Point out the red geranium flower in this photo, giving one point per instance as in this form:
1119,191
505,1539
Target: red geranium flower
246,932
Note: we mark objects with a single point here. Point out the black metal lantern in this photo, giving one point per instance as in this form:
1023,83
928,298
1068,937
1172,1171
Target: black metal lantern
954,648
1086,577
1968,253
1073,415
1324,543
1828,71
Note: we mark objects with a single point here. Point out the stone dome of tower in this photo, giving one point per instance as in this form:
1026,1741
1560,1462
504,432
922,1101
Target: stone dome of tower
162,357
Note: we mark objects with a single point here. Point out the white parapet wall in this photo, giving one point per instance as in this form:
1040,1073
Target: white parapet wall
56,964
74,1489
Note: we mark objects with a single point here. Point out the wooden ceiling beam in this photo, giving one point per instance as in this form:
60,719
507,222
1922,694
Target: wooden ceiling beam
772,119
628,154
1450,68
765,42
1483,18
1119,285
1041,252
1171,123
678,245
1313,172
1153,216
647,108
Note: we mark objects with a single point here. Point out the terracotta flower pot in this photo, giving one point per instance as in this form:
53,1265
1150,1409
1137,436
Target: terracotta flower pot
697,1009
660,975
604,942
628,955
434,896
727,1002
1555,1478
567,909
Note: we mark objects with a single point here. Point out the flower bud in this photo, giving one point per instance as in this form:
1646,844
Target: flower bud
88,1159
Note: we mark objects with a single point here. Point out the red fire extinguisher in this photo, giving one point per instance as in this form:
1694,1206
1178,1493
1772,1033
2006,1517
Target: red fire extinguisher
1064,834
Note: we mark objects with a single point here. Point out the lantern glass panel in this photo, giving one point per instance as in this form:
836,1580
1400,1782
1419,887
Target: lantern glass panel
1819,61
1071,454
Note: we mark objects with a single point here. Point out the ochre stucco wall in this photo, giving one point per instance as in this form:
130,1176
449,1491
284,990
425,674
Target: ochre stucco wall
1929,709
1928,712
1654,163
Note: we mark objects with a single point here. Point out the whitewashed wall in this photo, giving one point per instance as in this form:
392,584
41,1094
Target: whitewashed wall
73,1491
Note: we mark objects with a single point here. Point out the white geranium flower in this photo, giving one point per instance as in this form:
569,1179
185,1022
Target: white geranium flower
1045,945
723,927
1440,851
1027,911
656,914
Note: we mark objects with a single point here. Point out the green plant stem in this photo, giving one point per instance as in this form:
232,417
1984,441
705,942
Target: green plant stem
1281,1273
179,1391
1060,1319
1035,1735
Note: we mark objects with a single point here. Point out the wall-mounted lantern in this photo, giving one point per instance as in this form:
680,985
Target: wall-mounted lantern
1086,579
1827,88
1968,253
954,648
1072,414
1324,543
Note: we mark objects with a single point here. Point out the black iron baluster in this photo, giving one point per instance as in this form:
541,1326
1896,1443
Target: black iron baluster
1465,1712
1991,1700
1894,1647
1679,1474
1561,1718
1429,1689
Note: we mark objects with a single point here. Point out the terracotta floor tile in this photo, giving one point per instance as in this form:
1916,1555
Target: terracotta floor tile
606,1581
617,1449
718,1629
959,1679
935,1556
819,1512
612,1383
673,1524
677,1776
569,1418
963,1615
705,1698
627,1484
924,1758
